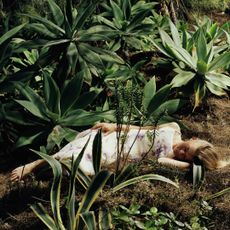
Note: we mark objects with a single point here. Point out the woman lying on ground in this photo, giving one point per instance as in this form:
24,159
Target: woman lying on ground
168,147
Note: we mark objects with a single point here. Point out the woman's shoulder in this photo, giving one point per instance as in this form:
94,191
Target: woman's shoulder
172,125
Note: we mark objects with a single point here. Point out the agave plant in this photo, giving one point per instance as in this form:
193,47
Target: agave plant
128,19
77,217
50,117
71,41
199,63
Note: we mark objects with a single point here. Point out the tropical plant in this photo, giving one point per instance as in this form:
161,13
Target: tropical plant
50,117
134,217
69,40
198,62
77,217
129,20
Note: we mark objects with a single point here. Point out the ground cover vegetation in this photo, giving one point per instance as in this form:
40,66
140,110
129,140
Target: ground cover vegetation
65,65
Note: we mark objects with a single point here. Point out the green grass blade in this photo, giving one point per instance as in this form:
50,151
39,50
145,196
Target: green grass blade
143,178
220,193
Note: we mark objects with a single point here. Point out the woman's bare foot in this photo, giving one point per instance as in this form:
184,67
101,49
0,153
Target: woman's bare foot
20,173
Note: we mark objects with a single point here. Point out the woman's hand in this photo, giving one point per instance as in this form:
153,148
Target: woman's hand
106,128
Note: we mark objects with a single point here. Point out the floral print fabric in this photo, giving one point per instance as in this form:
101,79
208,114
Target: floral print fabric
134,145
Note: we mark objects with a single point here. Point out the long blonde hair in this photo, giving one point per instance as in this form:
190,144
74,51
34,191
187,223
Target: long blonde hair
209,156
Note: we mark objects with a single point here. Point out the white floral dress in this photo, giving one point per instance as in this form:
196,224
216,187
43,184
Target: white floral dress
137,143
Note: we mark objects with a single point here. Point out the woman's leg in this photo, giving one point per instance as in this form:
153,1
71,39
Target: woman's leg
23,171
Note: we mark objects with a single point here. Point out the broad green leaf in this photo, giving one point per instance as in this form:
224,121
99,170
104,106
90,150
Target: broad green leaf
91,57
126,9
23,140
32,108
11,33
51,93
93,191
81,118
56,12
55,189
201,47
90,220
166,39
86,99
69,12
97,147
108,55
117,12
202,67
184,56
50,25
158,99
72,56
215,89
170,107
85,10
220,61
43,215
218,79
42,30
149,92
175,33
143,178
105,21
182,79
71,93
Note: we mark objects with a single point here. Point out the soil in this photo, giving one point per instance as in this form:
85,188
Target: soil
212,122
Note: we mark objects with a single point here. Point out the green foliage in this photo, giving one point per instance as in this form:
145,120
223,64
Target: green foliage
129,20
78,217
70,37
199,62
50,115
135,217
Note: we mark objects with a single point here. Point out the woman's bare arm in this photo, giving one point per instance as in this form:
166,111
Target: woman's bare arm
174,163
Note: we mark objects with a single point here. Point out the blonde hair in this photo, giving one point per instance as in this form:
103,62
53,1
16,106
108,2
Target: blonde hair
209,156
